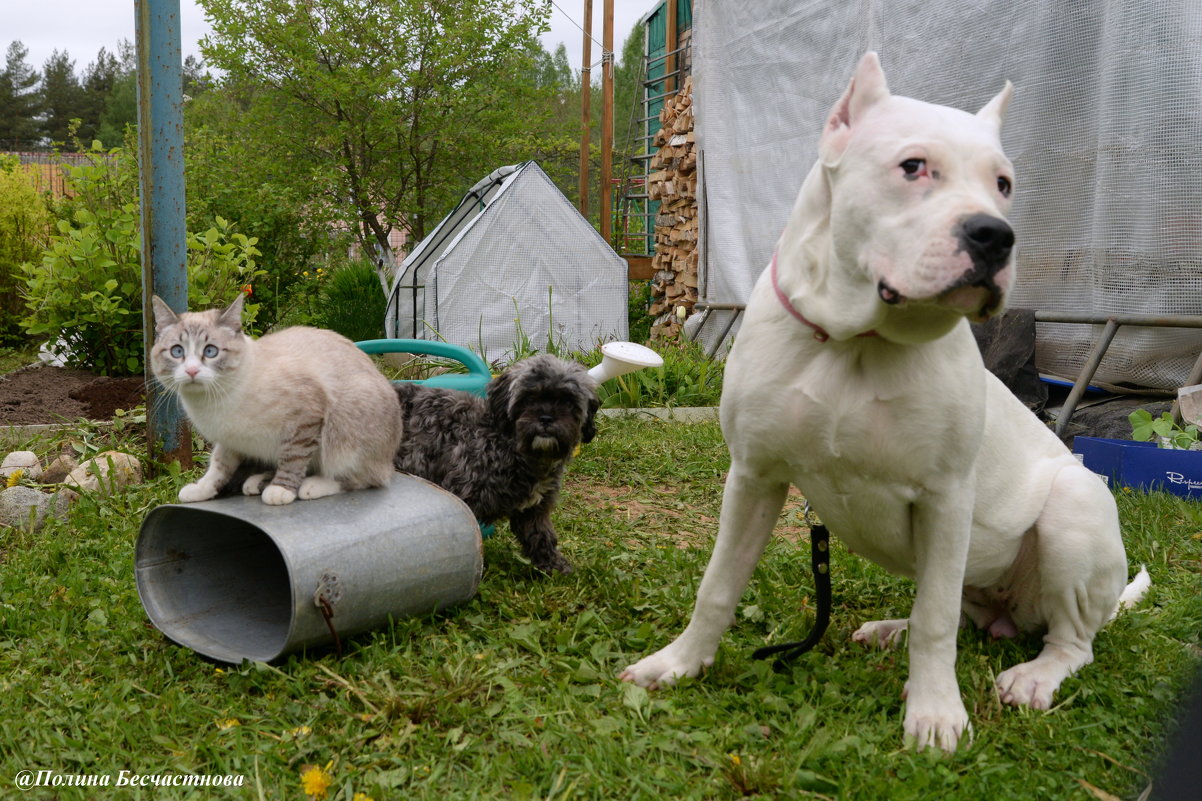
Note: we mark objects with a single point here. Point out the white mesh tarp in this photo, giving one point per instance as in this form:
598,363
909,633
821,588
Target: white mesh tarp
514,260
1104,131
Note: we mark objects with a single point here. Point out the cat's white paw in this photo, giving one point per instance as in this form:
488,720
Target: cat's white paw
275,495
255,484
197,491
318,487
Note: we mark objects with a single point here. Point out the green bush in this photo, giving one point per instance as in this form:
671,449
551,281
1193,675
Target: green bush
352,302
85,293
637,314
232,177
688,378
24,228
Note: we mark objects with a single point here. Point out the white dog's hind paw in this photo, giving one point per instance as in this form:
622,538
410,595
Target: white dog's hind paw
881,633
318,487
196,491
662,669
275,495
1029,684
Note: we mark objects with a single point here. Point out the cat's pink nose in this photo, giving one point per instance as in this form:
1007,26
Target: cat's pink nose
191,371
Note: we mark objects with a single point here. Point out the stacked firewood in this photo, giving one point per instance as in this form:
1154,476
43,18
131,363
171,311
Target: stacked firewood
673,183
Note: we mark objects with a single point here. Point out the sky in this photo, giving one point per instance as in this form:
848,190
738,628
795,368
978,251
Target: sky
82,27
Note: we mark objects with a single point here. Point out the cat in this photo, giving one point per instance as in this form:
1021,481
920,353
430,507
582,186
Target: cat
302,400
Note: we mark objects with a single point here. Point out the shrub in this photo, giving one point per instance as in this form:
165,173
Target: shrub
688,378
638,316
24,229
233,178
85,293
352,302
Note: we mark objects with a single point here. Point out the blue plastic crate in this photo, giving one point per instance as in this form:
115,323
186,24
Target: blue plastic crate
1143,465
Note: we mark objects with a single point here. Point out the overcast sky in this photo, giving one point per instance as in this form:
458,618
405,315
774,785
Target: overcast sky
82,27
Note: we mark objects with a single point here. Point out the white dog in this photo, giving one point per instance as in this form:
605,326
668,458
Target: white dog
856,377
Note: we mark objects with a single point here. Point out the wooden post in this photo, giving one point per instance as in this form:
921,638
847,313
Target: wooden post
607,121
586,81
671,42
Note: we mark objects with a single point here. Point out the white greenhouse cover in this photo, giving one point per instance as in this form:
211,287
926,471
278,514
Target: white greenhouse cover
514,258
1105,131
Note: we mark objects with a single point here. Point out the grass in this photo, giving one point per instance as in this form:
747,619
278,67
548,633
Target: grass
513,695
16,358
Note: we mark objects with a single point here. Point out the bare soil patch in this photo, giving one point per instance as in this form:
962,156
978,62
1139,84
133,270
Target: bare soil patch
43,394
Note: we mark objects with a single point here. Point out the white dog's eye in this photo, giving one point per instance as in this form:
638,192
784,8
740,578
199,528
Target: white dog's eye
1004,186
914,169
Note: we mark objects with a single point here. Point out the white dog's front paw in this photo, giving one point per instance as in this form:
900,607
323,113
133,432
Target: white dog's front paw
664,667
318,487
275,495
254,484
881,633
935,719
197,491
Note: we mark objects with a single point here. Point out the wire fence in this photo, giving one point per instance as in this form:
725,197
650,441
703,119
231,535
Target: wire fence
46,168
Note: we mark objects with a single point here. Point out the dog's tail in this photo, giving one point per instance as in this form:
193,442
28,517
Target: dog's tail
1134,592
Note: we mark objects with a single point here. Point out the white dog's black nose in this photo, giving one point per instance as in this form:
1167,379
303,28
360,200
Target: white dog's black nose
988,241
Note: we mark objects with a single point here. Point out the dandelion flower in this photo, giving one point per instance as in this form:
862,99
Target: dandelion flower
362,797
15,477
228,723
316,781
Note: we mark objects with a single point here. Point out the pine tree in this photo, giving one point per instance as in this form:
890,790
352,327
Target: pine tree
19,100
99,80
63,99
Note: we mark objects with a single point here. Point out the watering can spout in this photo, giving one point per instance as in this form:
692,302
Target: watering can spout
620,358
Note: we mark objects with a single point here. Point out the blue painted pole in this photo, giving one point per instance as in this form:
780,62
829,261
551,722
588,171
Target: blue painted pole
164,226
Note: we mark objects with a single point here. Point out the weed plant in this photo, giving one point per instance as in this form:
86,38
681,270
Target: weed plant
514,695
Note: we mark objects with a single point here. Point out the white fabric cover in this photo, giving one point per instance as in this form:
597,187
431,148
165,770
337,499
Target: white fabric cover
1104,131
515,252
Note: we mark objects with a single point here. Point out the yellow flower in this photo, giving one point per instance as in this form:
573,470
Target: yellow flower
316,781
300,731
15,477
362,797
228,723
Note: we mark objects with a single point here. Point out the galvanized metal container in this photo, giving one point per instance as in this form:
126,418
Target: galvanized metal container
236,579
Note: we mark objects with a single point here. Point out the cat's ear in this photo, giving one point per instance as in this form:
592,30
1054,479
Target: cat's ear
163,315
232,316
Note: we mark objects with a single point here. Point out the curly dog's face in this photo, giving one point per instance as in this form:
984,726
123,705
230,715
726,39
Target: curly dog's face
550,404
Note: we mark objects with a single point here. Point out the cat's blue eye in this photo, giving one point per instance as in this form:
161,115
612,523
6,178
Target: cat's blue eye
211,351
177,351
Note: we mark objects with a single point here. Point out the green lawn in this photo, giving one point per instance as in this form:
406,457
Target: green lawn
514,695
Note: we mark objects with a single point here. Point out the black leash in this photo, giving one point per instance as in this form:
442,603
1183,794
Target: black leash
820,559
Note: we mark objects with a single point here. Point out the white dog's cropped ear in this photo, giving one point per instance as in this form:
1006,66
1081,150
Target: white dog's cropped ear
866,88
995,110
163,315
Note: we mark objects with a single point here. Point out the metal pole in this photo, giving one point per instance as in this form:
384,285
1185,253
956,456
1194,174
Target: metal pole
671,44
607,120
164,229
1087,373
586,88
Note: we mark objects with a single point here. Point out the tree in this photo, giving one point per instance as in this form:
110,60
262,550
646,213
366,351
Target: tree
19,104
389,107
63,98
